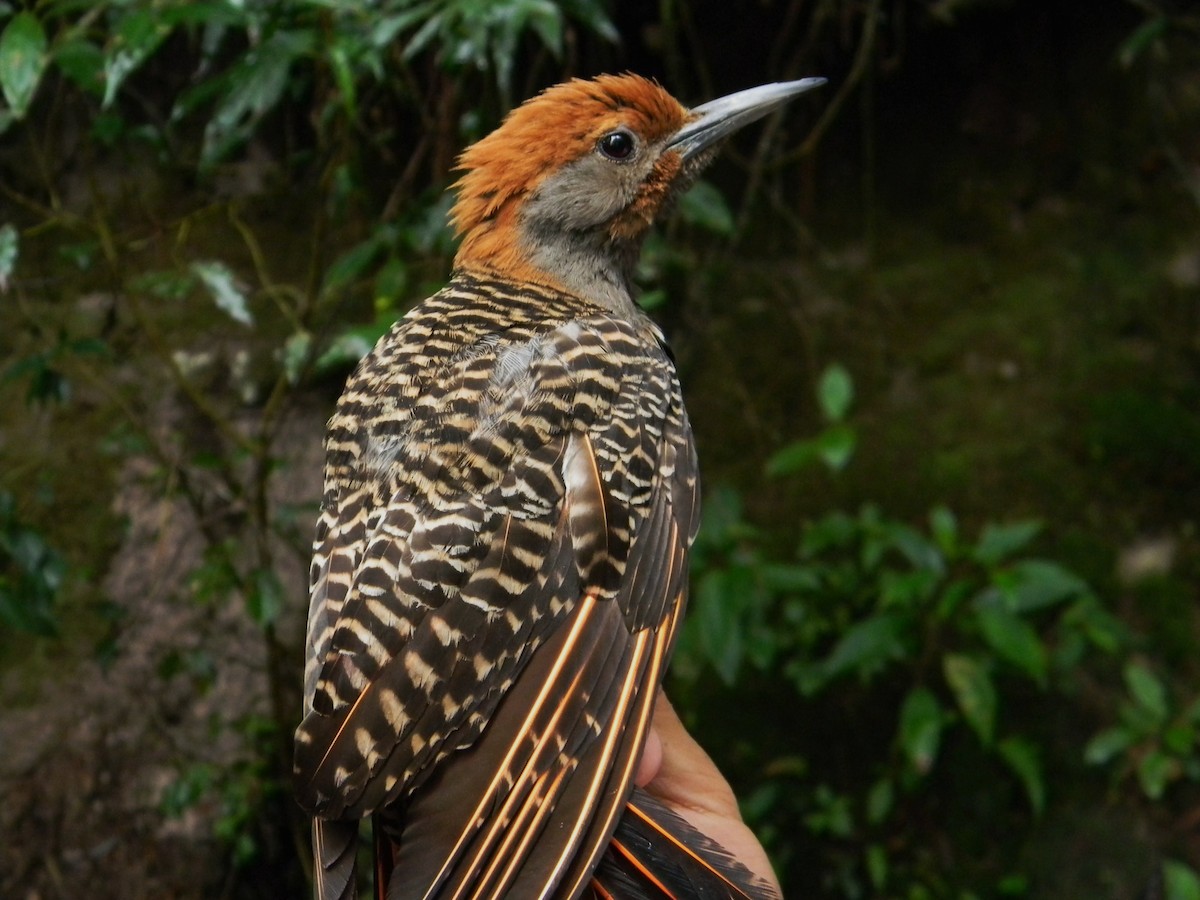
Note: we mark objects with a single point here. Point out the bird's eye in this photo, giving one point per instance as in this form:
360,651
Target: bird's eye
617,145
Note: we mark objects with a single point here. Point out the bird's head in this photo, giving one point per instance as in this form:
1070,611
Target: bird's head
564,191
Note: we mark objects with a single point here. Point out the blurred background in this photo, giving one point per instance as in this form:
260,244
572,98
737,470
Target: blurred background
938,326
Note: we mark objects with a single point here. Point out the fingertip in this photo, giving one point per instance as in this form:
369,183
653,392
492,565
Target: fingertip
651,761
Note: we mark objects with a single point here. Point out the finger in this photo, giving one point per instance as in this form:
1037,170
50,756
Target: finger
687,776
652,757
691,784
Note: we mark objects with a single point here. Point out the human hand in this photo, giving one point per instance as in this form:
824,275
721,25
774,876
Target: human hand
676,770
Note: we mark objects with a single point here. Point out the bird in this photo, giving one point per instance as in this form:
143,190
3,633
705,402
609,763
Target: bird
500,560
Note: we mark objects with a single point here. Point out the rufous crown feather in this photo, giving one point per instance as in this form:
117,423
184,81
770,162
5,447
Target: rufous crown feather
550,130
539,199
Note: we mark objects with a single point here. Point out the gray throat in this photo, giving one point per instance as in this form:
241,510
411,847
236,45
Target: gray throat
587,262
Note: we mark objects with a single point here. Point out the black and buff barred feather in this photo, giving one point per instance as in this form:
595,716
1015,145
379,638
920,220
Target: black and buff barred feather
499,569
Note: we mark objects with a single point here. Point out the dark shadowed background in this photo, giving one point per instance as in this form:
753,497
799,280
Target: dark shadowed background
939,330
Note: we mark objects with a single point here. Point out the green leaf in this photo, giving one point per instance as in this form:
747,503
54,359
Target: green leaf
921,553
135,38
254,88
83,63
9,248
31,574
593,17
704,206
999,542
952,597
865,649
1014,640
720,595
265,601
836,446
352,263
880,801
1155,771
388,27
223,288
1147,691
906,590
652,300
46,382
166,284
1035,584
424,36
1022,759
1099,626
944,527
391,282
1013,885
832,813
181,795
339,58
295,355
877,865
1178,739
789,577
832,532
921,722
546,20
22,60
974,692
795,457
1142,38
722,524
214,578
1180,881
1107,745
350,346
835,392
833,447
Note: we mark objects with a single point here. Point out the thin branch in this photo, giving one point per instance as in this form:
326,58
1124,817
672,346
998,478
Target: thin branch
858,69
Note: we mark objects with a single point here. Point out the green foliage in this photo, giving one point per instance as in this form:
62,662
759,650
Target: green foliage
703,208
22,58
1156,739
834,446
1180,881
484,35
9,245
31,574
239,791
937,637
384,259
279,50
222,285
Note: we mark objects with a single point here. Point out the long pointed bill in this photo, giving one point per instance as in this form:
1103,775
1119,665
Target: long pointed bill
720,118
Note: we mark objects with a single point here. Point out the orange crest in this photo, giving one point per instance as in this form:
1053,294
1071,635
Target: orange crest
559,125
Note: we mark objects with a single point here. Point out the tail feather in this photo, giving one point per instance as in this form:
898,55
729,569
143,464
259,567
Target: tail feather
653,855
335,850
656,855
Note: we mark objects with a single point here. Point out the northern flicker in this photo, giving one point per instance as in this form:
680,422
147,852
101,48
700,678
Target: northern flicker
500,563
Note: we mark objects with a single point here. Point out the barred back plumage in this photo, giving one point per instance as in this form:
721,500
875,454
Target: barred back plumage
505,454
500,562
490,407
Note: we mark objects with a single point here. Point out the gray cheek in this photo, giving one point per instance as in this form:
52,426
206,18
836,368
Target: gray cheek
583,195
